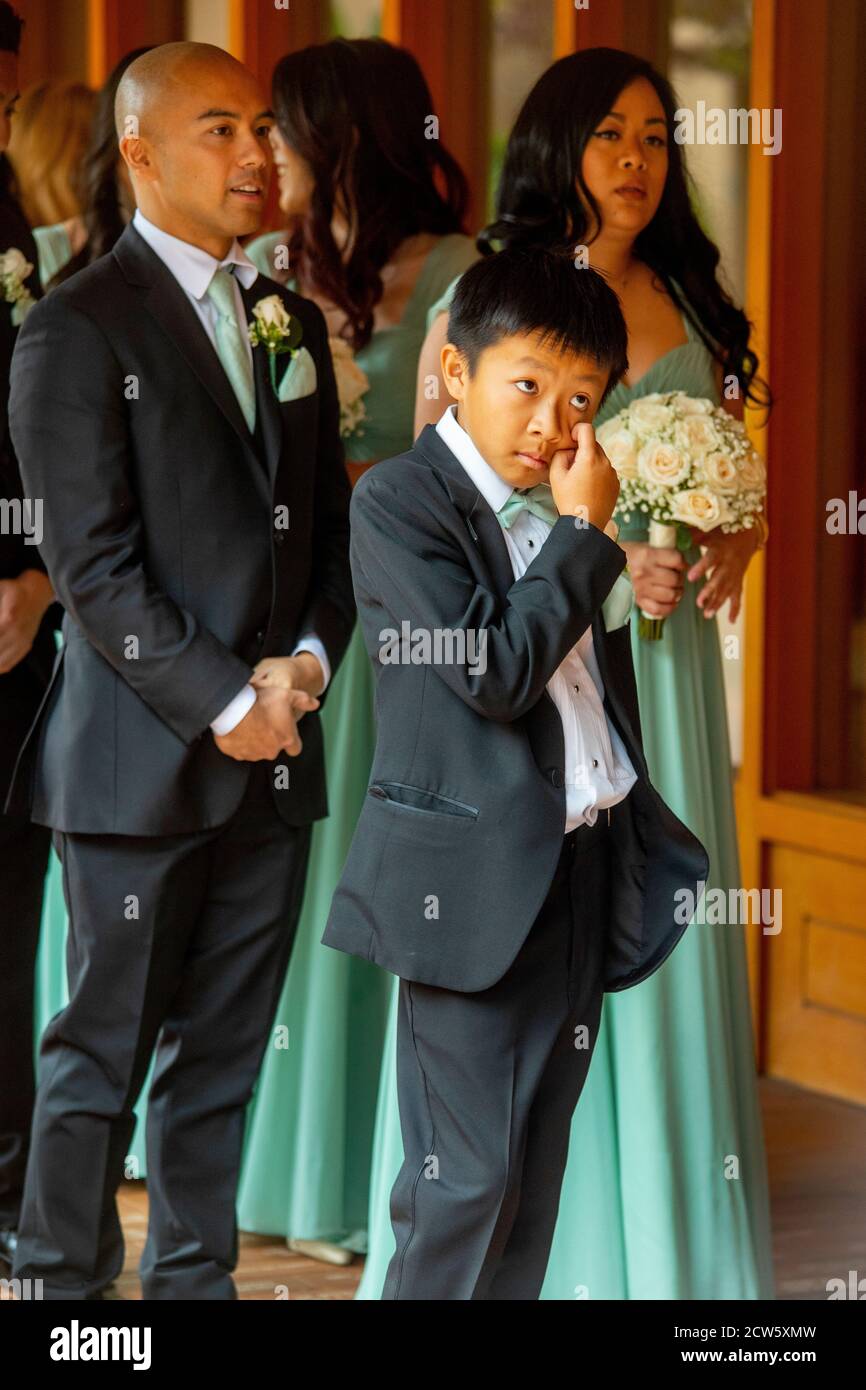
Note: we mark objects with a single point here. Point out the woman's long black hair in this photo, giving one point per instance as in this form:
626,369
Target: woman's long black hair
359,112
97,185
538,200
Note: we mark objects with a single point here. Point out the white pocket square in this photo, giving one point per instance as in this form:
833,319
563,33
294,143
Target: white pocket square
618,604
299,378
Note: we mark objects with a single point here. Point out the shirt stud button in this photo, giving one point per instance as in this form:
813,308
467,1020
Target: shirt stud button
595,762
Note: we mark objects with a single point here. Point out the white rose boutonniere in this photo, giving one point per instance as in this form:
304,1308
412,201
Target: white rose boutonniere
352,383
14,269
276,330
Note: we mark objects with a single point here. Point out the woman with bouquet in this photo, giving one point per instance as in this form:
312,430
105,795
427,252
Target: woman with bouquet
665,1193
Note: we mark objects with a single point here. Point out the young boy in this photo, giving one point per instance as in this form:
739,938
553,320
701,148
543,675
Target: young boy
512,861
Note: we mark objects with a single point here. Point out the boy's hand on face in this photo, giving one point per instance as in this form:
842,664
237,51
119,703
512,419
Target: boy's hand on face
582,480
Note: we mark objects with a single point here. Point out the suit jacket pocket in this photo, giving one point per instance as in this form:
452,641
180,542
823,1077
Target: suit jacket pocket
420,799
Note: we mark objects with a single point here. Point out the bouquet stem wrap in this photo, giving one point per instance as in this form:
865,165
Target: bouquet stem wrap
662,535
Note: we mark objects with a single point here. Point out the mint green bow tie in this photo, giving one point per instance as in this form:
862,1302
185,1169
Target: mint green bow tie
538,500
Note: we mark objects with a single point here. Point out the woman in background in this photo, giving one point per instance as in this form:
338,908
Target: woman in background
106,199
373,214
665,1192
49,137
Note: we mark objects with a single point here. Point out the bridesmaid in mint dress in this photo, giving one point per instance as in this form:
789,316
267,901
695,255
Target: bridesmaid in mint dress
665,1193
307,1148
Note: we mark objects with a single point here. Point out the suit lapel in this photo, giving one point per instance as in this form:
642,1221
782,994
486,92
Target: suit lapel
267,404
612,679
480,519
166,302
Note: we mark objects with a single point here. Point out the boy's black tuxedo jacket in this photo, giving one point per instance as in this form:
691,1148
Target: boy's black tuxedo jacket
160,525
462,826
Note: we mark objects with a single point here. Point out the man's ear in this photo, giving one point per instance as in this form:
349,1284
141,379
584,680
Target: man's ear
136,155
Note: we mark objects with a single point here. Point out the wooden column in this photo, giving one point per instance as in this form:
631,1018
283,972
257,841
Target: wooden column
797,232
117,26
638,27
450,40
53,41
260,33
758,271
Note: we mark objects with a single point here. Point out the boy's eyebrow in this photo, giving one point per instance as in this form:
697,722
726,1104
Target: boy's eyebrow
650,120
536,362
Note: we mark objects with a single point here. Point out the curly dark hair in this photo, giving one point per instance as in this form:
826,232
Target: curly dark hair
358,111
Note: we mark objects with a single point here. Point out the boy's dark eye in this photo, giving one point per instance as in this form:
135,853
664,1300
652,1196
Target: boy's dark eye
581,400
526,381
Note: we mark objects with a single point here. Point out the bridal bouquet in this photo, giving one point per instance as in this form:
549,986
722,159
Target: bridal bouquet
682,462
352,383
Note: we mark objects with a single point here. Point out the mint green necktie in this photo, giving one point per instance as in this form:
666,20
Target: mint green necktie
538,500
231,344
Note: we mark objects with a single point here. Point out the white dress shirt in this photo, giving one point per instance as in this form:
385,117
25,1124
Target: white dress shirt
194,269
598,771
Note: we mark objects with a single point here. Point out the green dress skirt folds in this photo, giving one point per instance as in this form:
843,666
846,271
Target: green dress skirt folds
665,1192
307,1150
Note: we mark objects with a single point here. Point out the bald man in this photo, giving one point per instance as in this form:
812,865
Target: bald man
195,521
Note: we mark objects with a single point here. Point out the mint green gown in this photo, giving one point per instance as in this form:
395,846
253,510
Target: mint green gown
307,1148
649,1206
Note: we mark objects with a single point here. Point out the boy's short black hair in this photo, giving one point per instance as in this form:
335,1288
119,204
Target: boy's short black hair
538,290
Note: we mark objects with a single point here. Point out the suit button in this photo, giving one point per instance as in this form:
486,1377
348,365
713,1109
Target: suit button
260,636
556,777
278,538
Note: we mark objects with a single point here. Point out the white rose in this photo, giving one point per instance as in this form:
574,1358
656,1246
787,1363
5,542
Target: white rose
721,473
697,436
698,507
12,262
693,405
662,464
619,445
648,416
753,474
272,313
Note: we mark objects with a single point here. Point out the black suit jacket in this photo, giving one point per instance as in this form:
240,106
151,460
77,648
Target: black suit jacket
22,688
462,827
162,539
